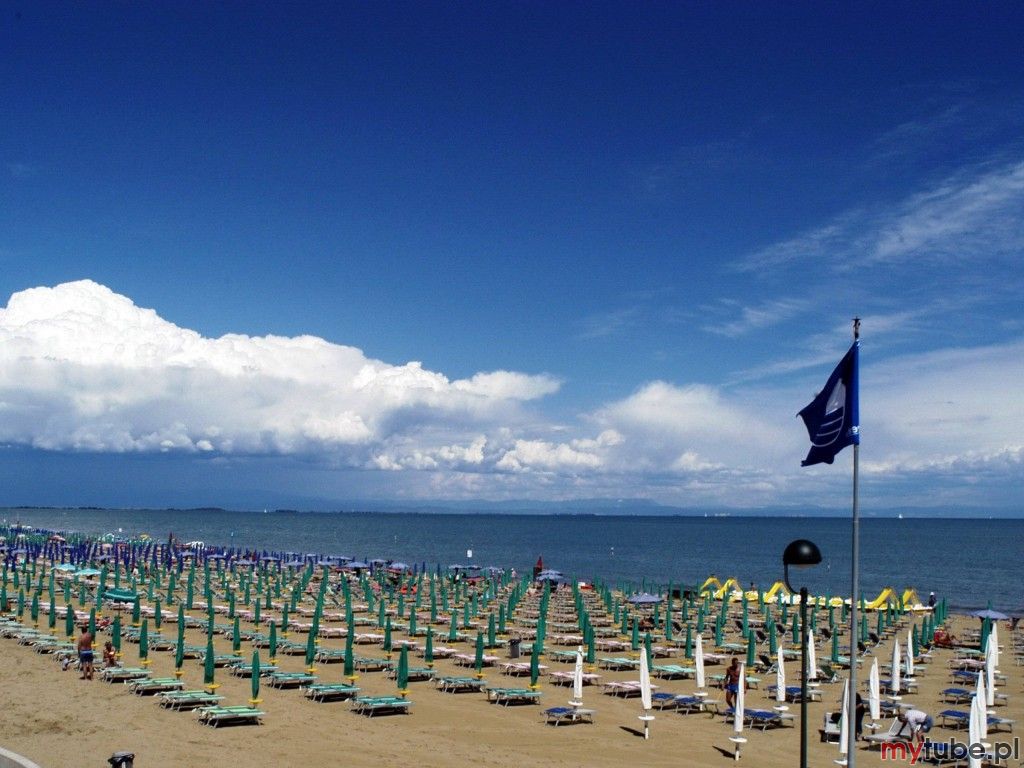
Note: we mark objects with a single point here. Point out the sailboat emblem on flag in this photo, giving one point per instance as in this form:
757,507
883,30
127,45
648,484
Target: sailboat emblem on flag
832,417
832,425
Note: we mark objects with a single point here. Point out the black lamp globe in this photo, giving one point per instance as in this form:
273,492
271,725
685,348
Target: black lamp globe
800,554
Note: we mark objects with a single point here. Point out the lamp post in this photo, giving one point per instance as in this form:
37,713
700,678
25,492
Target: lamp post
801,554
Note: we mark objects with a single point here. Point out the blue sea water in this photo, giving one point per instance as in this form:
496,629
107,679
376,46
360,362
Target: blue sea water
968,561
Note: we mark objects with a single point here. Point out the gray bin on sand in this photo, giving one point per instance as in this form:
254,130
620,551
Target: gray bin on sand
122,759
513,648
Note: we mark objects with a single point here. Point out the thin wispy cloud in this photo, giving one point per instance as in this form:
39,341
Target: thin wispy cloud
755,317
609,323
974,214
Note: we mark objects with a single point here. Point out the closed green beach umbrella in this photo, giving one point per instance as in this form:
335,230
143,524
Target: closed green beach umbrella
115,635
534,666
428,651
209,665
255,679
179,648
236,638
402,673
272,642
478,658
144,643
350,659
310,652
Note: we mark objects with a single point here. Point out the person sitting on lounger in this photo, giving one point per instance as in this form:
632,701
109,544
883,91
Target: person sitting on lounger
943,639
109,655
920,723
732,682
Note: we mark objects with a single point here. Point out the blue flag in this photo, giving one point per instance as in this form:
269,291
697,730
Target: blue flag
833,417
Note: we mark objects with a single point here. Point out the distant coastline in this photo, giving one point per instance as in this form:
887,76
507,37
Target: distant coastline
575,509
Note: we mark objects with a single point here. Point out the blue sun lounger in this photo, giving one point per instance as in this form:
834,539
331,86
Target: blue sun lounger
955,718
559,715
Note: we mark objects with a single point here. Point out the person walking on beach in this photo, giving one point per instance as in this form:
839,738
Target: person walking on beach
85,653
732,682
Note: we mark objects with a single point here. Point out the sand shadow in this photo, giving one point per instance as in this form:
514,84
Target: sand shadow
633,731
726,752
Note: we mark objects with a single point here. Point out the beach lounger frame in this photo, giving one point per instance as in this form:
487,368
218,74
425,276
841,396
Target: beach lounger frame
567,715
509,696
326,692
378,705
183,701
218,716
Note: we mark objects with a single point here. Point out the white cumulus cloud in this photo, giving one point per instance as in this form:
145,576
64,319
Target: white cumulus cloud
83,368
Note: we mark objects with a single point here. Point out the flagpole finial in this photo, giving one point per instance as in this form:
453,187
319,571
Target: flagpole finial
856,328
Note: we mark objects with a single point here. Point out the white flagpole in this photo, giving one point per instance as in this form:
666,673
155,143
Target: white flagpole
851,753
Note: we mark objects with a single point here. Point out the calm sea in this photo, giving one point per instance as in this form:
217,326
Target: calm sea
968,561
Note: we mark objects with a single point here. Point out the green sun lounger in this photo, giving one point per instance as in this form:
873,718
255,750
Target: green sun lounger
122,674
507,696
154,685
218,716
291,679
187,700
455,684
371,664
323,692
672,671
375,705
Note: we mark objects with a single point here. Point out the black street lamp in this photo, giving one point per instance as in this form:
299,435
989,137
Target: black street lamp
801,554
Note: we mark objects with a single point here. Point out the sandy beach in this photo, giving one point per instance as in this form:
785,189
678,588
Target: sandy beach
58,720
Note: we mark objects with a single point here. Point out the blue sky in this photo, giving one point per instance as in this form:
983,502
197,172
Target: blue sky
624,245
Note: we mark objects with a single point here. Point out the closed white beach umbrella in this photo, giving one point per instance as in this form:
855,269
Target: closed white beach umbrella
737,725
974,735
894,683
699,663
910,654
812,657
738,713
976,727
844,719
577,680
981,696
780,677
645,693
990,672
875,692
